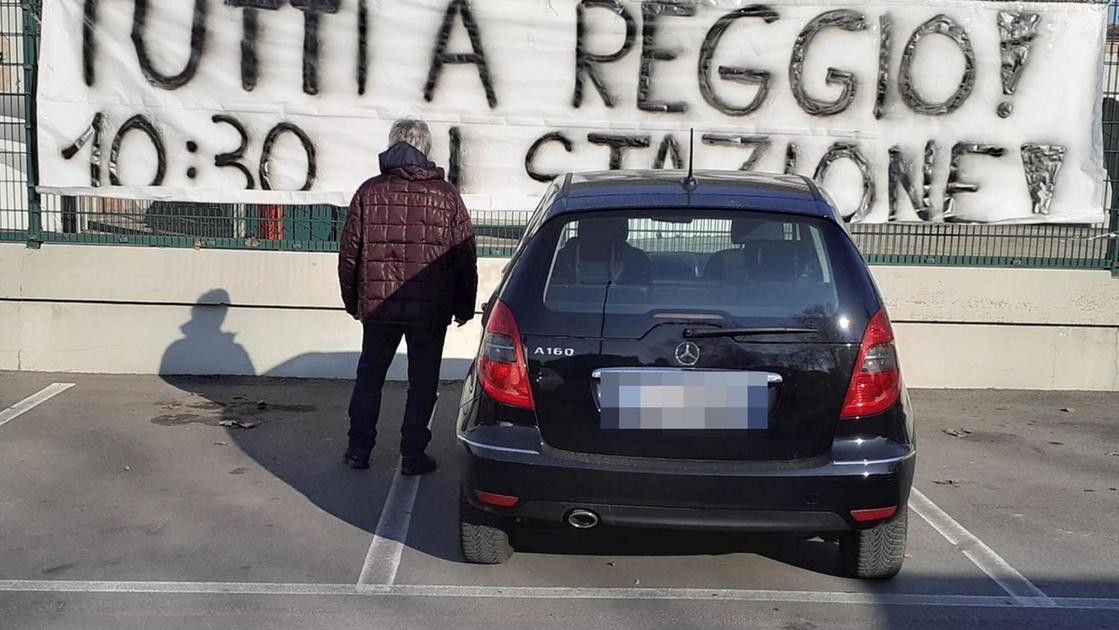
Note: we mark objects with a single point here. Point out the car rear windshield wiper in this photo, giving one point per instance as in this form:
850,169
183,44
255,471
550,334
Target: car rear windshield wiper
745,332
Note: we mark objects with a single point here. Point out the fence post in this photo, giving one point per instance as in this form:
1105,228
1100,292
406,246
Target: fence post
1113,242
31,13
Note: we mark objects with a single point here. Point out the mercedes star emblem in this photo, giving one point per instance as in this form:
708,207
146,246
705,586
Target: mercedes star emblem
687,354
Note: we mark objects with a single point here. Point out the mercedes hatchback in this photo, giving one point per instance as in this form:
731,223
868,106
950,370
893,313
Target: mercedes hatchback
707,353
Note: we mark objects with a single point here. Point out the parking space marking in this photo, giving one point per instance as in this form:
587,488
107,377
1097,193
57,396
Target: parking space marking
738,595
982,556
529,592
382,561
175,588
29,403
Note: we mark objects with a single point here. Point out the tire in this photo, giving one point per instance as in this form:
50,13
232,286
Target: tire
483,540
876,553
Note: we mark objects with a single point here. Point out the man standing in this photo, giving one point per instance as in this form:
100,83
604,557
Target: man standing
407,265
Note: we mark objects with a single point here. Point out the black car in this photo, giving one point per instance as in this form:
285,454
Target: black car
700,353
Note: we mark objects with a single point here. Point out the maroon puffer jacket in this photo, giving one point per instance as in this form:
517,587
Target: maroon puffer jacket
407,254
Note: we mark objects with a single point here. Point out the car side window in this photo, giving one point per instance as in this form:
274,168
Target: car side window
534,222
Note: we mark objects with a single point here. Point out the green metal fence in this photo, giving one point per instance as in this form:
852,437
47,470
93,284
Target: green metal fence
16,67
1111,138
27,216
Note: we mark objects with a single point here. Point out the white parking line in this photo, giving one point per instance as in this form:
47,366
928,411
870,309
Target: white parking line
383,559
982,556
29,403
521,592
176,588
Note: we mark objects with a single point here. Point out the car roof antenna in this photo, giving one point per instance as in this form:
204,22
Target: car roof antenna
690,183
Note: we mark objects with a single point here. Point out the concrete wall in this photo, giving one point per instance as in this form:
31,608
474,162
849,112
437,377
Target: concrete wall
1005,328
139,310
177,311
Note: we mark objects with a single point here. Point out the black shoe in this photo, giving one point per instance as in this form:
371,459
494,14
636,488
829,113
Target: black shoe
417,464
353,460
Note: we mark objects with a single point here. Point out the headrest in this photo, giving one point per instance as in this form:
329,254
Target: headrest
776,260
741,229
603,233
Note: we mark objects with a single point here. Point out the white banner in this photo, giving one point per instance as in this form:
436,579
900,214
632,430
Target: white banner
906,111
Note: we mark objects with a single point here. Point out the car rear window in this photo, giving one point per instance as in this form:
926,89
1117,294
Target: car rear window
748,265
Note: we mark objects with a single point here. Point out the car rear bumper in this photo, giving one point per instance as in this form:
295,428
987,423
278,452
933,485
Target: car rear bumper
805,496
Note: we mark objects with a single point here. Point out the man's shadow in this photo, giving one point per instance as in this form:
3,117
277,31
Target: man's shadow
205,348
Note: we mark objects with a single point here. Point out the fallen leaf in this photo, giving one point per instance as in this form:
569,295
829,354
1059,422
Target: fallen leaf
636,582
260,404
1114,453
958,433
1068,409
958,481
127,468
1055,443
610,564
1088,490
221,443
238,424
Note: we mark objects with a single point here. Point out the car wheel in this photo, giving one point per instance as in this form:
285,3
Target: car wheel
876,553
483,539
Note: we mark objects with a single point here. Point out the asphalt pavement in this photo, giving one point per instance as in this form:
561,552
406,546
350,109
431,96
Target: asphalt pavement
143,502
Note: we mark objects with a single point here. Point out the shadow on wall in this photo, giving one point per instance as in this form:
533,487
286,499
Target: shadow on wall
206,350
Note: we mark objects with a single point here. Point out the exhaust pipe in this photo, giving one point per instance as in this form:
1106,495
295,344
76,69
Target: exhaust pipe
582,519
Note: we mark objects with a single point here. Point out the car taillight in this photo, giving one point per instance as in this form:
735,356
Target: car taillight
876,384
502,365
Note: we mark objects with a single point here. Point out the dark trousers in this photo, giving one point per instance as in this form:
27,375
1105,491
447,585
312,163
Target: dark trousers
425,354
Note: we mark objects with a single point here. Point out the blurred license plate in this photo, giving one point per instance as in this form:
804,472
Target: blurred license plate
682,399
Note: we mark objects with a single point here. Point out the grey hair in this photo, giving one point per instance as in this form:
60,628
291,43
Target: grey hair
414,132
